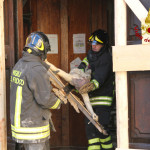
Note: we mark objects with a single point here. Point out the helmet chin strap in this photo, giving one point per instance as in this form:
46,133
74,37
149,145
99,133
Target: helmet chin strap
31,51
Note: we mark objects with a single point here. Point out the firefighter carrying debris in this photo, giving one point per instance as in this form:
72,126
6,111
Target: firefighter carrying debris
99,60
30,95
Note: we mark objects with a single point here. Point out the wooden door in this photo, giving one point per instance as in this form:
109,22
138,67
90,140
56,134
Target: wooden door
84,17
79,23
80,16
139,109
9,52
44,16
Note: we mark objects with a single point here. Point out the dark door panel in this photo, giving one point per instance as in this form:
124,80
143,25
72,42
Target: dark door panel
9,58
139,109
9,33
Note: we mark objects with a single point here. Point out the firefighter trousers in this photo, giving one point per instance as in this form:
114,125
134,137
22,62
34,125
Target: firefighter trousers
96,140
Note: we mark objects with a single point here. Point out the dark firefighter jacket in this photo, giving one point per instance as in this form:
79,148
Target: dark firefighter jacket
102,76
30,100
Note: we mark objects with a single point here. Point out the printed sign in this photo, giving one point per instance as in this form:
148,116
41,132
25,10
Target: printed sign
79,43
53,39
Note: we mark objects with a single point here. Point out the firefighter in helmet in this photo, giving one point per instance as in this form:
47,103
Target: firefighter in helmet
30,95
99,60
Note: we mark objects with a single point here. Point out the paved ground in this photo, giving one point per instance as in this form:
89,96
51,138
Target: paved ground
68,148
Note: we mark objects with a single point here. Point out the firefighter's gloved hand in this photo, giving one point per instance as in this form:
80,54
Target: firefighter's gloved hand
79,82
60,95
86,88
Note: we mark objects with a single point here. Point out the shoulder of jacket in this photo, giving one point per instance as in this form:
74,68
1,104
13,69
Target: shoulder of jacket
106,58
37,67
35,64
108,55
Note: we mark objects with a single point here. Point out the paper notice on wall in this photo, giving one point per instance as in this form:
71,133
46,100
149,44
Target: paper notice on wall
75,63
79,43
53,39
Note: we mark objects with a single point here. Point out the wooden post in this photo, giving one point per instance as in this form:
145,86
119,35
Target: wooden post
20,41
3,133
64,66
121,77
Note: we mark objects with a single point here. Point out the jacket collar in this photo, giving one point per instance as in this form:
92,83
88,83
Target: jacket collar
30,57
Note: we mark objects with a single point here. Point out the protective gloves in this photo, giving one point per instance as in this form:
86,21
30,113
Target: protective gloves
86,88
81,80
60,95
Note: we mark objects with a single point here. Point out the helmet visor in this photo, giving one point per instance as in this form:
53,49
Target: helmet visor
93,42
